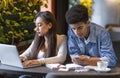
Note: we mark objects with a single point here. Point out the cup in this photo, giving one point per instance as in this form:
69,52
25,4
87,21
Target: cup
102,65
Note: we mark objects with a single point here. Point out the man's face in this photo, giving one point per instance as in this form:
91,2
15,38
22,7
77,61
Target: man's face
81,29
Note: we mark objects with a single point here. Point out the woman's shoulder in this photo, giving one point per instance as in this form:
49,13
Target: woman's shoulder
61,36
61,39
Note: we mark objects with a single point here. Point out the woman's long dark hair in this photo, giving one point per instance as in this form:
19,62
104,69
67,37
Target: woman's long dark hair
47,17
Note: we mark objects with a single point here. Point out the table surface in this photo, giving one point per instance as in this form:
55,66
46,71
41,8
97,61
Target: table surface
44,70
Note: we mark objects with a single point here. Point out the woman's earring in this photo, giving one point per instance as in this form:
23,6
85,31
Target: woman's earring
35,29
50,26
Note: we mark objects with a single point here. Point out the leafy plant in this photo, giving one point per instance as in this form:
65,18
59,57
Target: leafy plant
16,19
88,4
73,2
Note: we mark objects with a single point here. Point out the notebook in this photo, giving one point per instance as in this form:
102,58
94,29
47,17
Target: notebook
9,56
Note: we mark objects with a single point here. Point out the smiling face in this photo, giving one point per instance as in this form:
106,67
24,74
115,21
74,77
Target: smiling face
81,29
42,28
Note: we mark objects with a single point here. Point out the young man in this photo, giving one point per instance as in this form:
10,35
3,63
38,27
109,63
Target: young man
88,42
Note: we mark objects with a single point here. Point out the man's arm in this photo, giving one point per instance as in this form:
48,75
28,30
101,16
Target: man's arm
85,60
106,49
73,48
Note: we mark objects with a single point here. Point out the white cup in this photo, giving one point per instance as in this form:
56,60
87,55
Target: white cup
102,65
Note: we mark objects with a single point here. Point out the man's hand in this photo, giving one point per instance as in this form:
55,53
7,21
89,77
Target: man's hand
82,60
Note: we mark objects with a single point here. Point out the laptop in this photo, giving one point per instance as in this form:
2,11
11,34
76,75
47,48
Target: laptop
9,55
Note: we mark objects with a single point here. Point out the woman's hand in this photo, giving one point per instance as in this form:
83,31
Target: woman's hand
31,62
23,58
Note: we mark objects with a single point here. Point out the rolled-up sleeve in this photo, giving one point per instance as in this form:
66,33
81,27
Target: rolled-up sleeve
106,49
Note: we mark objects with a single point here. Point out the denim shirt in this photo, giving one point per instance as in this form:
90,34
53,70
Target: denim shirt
98,44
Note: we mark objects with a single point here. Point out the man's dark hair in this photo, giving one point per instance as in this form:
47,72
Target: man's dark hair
78,13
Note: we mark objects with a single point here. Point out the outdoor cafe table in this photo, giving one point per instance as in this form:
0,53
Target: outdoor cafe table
42,70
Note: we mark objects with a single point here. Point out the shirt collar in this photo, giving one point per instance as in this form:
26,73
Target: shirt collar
92,36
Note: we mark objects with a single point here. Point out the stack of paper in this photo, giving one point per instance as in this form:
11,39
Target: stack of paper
73,66
55,66
66,67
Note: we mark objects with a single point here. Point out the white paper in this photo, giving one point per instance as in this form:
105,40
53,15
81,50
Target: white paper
55,66
73,66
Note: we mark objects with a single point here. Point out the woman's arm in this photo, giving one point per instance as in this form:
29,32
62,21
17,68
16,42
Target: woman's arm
26,53
61,51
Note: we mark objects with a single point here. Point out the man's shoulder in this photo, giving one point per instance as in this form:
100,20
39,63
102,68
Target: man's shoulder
70,33
97,27
98,30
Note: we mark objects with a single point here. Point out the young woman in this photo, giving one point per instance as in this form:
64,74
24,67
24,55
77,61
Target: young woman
47,46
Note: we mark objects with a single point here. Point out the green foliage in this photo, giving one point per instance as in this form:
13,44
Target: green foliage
16,19
88,4
73,2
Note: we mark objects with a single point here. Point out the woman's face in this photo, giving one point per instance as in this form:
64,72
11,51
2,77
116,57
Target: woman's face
41,28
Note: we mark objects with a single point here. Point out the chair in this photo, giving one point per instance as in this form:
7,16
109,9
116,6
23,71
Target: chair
114,31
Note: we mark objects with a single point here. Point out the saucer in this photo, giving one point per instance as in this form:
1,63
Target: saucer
102,70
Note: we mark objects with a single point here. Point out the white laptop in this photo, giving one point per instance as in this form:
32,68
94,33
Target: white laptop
9,56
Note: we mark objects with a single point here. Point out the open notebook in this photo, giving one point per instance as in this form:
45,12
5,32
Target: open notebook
9,56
